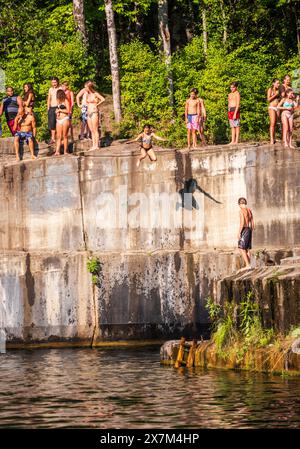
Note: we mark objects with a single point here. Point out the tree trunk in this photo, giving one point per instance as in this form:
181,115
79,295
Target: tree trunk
164,33
114,60
224,21
79,18
204,30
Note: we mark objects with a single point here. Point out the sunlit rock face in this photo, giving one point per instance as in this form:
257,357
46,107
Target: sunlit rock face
165,234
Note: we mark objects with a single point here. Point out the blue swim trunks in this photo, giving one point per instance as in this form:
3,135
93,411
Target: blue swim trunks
24,135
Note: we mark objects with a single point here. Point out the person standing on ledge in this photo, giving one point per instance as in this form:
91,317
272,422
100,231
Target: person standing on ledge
195,114
234,113
245,232
25,130
10,106
273,97
52,105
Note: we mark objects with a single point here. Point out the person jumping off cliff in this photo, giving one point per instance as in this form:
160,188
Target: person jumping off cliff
245,232
146,137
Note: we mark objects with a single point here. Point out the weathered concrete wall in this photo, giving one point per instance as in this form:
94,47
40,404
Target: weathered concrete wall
276,289
44,297
160,261
104,203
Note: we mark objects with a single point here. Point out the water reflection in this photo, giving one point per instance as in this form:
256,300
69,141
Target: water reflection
129,389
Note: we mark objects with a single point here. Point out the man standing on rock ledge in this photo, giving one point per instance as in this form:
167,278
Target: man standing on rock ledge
245,232
52,105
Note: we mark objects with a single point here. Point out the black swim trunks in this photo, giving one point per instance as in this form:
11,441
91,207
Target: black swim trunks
52,118
245,241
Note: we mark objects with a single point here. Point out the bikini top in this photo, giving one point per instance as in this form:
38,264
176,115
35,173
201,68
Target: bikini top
91,101
147,139
286,104
62,106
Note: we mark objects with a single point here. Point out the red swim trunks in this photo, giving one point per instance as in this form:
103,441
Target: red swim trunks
10,124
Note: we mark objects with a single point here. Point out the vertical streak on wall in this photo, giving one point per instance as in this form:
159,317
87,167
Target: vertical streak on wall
81,204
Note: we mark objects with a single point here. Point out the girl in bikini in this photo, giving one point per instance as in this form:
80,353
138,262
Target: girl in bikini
28,96
288,105
93,100
63,112
273,97
146,138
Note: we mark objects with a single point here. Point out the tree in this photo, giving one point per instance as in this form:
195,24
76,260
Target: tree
164,33
204,29
114,59
79,18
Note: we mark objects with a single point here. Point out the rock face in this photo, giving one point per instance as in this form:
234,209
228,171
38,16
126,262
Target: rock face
165,234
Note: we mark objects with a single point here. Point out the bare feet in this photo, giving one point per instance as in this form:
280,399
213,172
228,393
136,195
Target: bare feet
17,159
33,156
56,154
292,147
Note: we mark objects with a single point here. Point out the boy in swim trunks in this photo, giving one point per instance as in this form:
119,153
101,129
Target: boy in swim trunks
25,130
195,114
52,105
234,113
245,232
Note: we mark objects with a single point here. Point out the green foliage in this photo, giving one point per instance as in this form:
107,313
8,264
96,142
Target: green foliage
214,311
236,333
144,88
225,333
44,44
295,332
38,40
94,267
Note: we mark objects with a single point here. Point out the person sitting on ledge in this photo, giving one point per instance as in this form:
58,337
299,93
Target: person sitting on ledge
245,232
25,129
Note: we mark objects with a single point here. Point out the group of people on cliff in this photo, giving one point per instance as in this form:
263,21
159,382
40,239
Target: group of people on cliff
20,117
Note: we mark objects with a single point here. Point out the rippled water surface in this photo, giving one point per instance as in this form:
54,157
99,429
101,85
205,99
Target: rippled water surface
126,388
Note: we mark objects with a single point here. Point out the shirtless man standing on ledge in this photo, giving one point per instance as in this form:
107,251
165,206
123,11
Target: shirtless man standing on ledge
245,232
52,105
234,113
25,128
195,114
